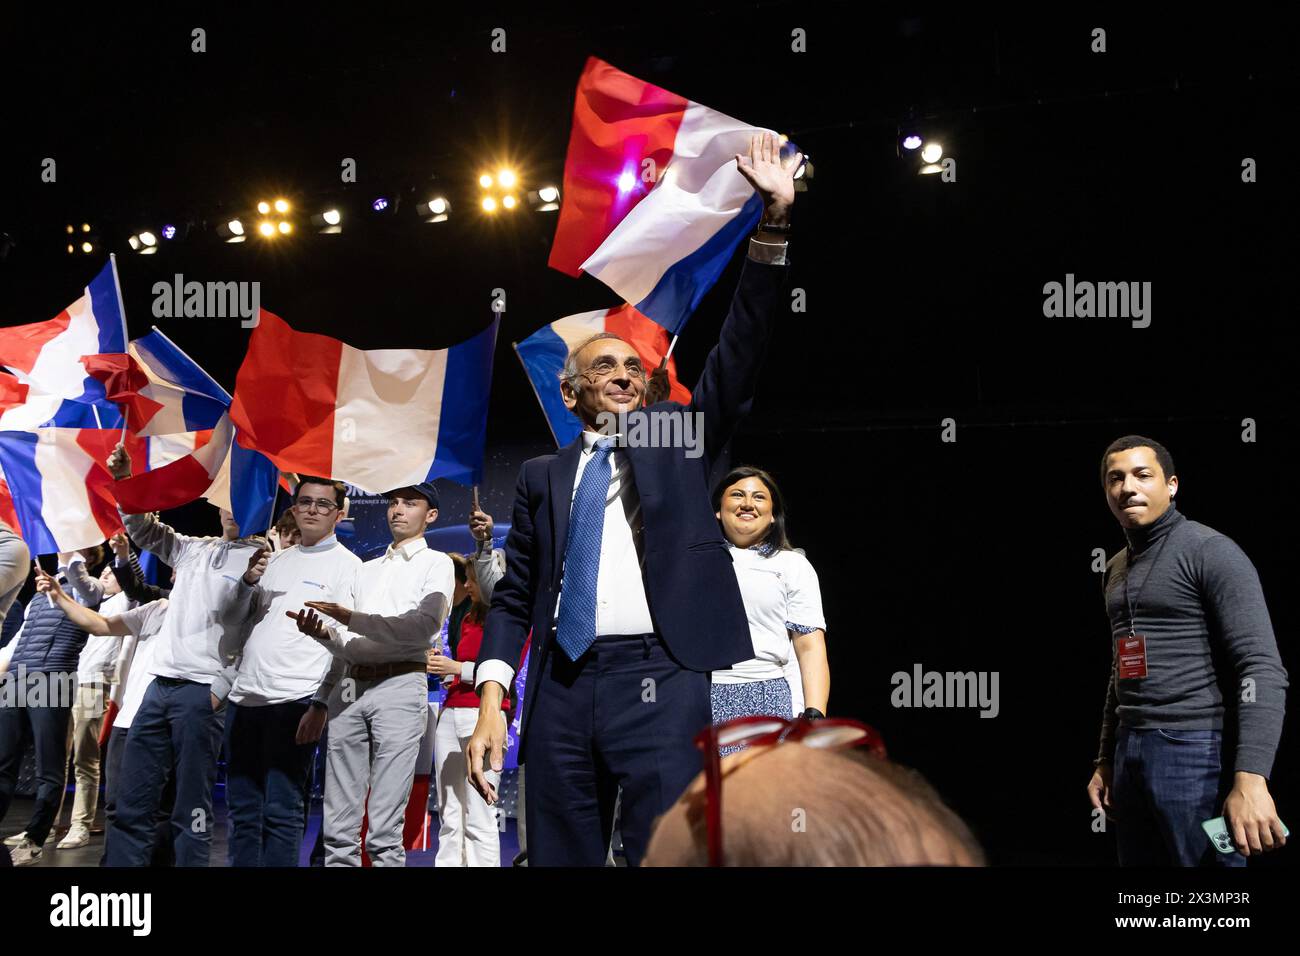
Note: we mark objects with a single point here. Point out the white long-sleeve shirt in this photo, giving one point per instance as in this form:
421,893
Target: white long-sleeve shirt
403,596
209,573
279,662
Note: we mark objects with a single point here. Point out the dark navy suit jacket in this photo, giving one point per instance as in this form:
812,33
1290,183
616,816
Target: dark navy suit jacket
690,582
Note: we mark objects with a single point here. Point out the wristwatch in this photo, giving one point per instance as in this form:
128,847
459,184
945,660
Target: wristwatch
812,713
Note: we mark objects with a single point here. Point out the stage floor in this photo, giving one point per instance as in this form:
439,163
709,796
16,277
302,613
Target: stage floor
89,855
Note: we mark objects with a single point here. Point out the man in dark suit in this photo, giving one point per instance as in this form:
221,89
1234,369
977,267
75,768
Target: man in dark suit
617,566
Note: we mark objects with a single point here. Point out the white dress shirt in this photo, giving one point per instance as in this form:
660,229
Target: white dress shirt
403,596
621,605
280,663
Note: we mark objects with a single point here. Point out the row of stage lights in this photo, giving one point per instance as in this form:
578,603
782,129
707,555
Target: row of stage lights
500,194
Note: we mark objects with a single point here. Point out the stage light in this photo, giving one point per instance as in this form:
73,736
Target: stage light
548,194
327,222
485,181
232,230
911,141
264,207
133,242
266,229
281,206
380,204
71,248
930,169
545,199
85,227
169,231
931,152
148,238
285,228
87,248
509,201
434,210
506,178
489,204
70,229
625,182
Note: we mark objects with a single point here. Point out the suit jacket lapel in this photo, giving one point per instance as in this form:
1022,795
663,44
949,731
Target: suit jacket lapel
561,474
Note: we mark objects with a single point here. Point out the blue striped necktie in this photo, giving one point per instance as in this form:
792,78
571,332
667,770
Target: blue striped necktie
576,629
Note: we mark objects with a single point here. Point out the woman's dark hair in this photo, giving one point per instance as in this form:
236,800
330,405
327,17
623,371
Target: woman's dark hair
776,536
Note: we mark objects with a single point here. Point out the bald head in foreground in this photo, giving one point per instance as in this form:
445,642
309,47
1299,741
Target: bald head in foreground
805,806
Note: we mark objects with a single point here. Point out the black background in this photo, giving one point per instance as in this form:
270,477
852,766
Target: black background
924,298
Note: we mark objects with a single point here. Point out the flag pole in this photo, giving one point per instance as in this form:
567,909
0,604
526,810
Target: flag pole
121,306
671,345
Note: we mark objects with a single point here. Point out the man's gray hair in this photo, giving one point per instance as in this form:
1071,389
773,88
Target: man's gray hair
570,371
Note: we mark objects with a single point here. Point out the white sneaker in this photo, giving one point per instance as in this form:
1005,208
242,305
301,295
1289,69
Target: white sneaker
26,854
76,837
17,839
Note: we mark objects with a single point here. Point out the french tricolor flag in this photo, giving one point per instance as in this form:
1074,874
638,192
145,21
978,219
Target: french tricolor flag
49,386
60,492
653,204
162,390
543,354
379,419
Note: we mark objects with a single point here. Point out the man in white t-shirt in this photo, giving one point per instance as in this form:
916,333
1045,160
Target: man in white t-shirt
279,701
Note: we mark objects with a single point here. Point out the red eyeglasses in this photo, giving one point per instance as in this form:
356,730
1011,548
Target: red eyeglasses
761,731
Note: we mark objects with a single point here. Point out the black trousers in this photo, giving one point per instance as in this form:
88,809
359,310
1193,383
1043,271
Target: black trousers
624,715
45,726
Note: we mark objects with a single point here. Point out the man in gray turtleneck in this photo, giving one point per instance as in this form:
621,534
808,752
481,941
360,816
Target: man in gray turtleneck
1197,686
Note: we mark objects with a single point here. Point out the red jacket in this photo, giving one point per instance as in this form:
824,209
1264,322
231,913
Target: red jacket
461,693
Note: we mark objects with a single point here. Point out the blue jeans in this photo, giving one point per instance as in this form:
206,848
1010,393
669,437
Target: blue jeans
267,776
1166,783
174,731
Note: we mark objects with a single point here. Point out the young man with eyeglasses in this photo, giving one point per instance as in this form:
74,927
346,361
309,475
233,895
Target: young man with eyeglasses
278,704
616,565
1197,692
179,723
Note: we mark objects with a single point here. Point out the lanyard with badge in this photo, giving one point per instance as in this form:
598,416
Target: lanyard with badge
1131,651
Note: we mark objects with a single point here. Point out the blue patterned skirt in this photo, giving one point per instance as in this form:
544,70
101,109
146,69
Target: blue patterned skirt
751,699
